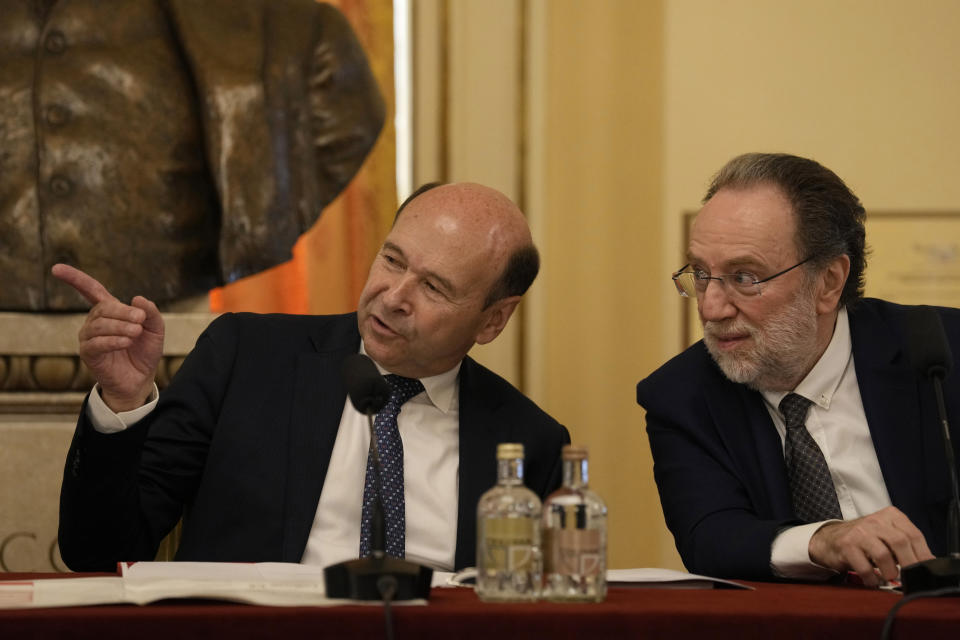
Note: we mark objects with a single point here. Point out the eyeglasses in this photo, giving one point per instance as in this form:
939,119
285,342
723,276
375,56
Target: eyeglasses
743,283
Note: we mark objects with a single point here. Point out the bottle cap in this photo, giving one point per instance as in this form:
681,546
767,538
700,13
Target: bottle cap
509,450
574,452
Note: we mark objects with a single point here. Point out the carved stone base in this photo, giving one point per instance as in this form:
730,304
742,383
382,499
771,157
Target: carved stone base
41,373
42,386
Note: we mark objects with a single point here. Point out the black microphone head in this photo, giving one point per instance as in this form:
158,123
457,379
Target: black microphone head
927,343
367,389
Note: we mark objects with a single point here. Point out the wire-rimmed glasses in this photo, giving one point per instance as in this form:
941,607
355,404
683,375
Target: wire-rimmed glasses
743,283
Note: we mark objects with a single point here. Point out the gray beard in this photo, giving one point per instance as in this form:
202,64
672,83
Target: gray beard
782,352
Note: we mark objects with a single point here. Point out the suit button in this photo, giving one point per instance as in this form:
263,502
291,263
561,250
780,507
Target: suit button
60,186
57,115
55,42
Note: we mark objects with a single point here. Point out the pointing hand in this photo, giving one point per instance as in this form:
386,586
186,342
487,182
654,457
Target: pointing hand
121,344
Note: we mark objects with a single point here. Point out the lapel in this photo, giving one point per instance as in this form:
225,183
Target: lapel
240,79
750,437
480,432
318,398
888,390
226,57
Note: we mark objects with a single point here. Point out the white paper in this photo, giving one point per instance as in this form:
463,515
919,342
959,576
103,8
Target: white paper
664,577
643,577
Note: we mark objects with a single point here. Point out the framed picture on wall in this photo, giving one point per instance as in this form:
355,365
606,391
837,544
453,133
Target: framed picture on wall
914,258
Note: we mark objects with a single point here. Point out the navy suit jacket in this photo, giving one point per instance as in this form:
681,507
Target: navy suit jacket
718,460
240,442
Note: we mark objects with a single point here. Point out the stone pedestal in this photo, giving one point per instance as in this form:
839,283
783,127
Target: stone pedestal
42,386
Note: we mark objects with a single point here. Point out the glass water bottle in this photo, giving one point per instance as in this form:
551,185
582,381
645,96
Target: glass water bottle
508,534
575,536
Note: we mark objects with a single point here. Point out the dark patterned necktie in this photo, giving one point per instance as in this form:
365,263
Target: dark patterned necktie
814,497
391,463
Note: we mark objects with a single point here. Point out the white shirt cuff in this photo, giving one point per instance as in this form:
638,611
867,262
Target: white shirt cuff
104,420
790,554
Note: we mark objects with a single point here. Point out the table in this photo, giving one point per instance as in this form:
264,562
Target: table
769,611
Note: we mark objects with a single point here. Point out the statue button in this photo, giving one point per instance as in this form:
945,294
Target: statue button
57,115
66,257
55,42
60,186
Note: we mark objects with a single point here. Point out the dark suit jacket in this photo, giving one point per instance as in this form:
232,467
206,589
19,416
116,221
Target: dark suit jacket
240,442
718,460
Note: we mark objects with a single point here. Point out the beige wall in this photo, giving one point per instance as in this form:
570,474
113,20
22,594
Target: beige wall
560,106
628,107
599,224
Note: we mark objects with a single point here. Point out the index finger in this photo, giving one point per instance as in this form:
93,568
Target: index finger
87,286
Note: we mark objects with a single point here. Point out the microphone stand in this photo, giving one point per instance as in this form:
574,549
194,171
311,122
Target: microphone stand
940,572
378,576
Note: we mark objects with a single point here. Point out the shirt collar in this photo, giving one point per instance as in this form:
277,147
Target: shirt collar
441,388
822,382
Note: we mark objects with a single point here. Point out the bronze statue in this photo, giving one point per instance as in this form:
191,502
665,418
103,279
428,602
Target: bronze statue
169,146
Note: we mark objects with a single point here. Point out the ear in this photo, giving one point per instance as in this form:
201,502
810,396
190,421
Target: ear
497,315
831,284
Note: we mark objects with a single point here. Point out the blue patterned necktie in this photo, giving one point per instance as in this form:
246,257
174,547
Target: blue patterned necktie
811,487
391,480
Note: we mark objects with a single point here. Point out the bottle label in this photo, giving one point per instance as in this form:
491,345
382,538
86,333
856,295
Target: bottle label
508,544
573,551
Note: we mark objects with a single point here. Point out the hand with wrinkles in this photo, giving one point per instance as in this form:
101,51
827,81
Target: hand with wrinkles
872,546
121,344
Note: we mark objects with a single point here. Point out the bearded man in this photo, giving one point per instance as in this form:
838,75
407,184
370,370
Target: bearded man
795,441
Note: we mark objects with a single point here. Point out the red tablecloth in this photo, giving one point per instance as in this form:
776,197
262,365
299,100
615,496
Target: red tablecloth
769,611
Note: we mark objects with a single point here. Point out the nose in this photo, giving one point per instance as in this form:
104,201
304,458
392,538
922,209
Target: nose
397,295
714,303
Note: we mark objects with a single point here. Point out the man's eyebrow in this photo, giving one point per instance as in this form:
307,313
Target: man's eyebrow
443,282
738,261
392,247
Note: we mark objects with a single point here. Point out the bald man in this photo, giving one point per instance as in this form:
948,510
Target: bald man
255,444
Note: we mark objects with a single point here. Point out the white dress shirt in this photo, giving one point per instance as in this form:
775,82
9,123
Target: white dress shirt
429,425
838,424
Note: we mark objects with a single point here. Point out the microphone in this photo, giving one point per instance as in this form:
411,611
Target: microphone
927,343
367,389
378,576
930,355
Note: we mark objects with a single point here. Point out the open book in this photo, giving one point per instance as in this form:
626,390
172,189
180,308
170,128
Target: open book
264,583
